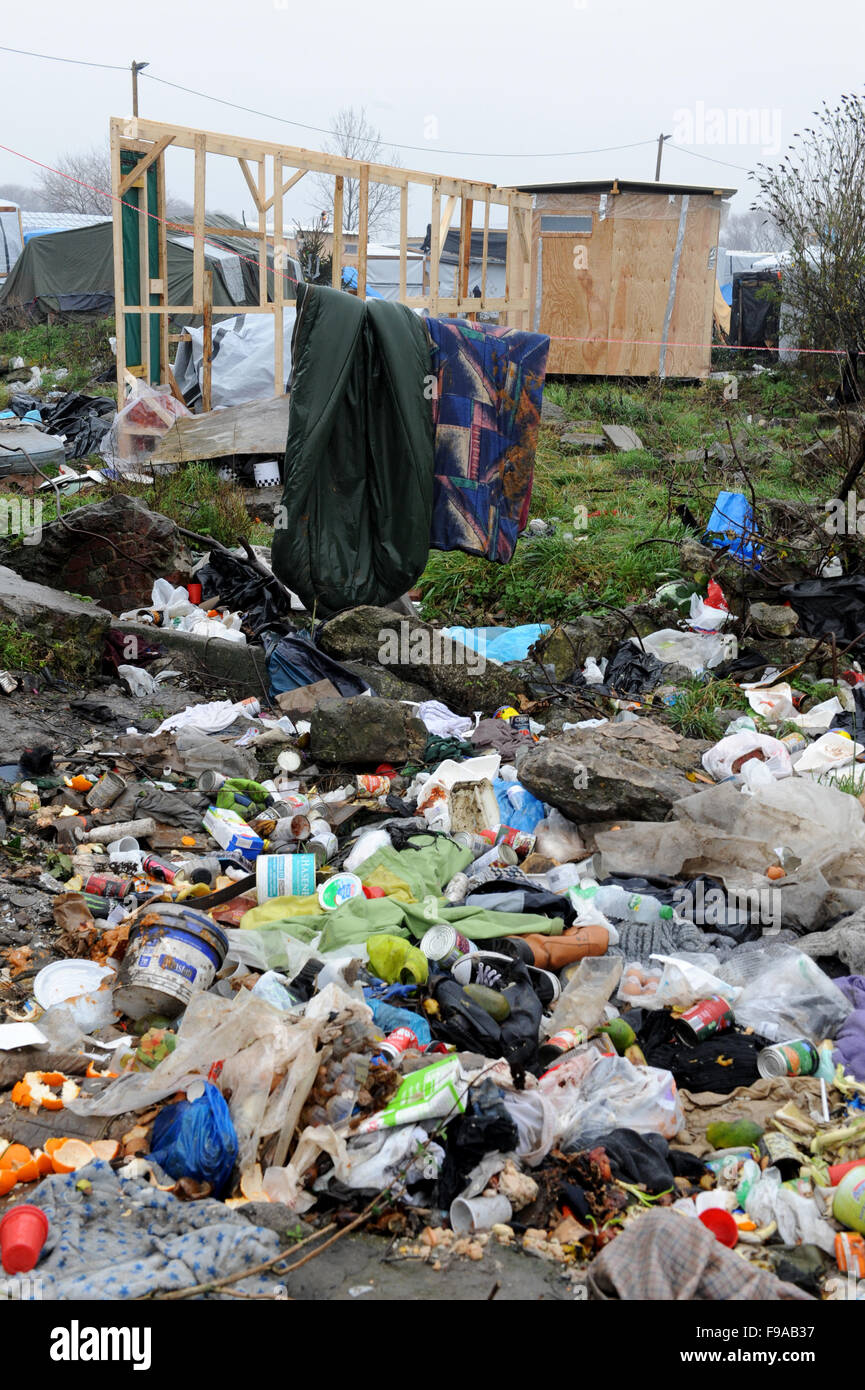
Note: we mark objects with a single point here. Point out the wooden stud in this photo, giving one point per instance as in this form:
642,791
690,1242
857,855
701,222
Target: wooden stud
198,197
362,229
295,178
256,193
434,251
465,249
162,264
485,252
119,284
403,241
207,343
279,255
336,251
262,233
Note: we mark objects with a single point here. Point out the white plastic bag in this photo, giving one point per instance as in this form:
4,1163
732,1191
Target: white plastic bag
139,425
785,994
618,1095
695,650
704,618
719,761
774,703
558,838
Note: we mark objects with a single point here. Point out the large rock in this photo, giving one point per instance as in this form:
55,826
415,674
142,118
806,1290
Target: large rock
777,619
74,628
364,729
615,772
112,551
416,651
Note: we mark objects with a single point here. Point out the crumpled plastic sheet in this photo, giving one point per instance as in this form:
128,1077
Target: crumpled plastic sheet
733,837
257,1044
124,1238
382,1159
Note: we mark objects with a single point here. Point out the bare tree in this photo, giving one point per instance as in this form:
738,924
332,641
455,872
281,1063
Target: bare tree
28,198
355,138
82,183
751,231
816,196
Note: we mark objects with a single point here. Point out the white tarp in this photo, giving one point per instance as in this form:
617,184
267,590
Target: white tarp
242,358
11,244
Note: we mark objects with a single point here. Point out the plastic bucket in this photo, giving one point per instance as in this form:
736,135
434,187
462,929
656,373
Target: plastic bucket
848,1205
173,953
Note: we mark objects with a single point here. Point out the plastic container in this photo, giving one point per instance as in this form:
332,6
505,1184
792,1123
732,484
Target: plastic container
23,1232
622,904
848,1204
175,956
284,876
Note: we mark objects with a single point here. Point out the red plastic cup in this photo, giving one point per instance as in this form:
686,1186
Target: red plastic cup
722,1225
23,1232
194,591
840,1170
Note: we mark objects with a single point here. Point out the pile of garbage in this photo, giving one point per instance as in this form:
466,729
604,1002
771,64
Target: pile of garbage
470,979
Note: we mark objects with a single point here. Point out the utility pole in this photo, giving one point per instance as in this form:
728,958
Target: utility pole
661,139
136,68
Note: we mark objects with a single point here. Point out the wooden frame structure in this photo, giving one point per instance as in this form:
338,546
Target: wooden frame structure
270,170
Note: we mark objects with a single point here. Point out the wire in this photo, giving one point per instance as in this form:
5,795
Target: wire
78,62
323,130
696,155
437,149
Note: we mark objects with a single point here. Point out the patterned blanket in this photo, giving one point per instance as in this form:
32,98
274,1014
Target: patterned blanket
486,410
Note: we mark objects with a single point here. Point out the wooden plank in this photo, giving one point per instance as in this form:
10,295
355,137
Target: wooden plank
485,251
251,232
207,343
162,264
403,241
144,275
696,285
434,252
262,233
279,271
336,251
362,229
250,183
258,427
465,248
446,219
119,288
639,283
144,164
295,178
198,196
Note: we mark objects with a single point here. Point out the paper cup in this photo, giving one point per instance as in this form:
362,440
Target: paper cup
472,1214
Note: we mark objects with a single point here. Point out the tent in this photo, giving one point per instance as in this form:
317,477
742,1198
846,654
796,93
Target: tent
72,273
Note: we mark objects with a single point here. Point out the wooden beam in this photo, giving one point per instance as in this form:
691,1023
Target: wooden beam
465,247
144,164
162,263
336,251
207,343
485,252
434,250
362,229
403,241
446,218
250,182
262,232
295,178
198,197
119,287
279,255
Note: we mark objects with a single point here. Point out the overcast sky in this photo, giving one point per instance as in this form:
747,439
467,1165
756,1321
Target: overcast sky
512,83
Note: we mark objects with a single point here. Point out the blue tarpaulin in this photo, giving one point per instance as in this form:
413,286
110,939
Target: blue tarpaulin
731,527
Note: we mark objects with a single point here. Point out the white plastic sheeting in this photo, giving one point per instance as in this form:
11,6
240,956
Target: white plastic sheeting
242,358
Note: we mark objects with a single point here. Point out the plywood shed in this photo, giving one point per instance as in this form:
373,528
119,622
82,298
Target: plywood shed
623,276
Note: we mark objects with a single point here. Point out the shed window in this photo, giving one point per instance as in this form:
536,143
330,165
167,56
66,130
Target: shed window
582,226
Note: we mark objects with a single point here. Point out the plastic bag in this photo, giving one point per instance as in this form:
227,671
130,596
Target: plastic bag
581,1003
534,1117
785,994
196,1139
705,618
148,414
517,807
558,838
695,650
618,1095
773,704
684,980
828,752
728,756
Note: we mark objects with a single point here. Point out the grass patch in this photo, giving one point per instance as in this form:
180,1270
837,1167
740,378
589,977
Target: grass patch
23,650
82,348
693,714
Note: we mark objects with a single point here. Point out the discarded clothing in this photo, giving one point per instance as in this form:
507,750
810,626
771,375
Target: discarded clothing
295,660
359,457
719,1064
667,1256
442,721
121,1240
487,411
498,735
648,1159
850,1038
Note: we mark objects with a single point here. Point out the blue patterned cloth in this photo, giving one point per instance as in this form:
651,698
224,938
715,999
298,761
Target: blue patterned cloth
122,1239
487,411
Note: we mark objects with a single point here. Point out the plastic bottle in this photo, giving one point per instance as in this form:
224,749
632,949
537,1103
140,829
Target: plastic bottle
622,904
581,1004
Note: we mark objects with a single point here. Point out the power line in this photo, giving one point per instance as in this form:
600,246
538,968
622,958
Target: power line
726,163
322,130
77,62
